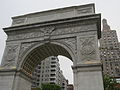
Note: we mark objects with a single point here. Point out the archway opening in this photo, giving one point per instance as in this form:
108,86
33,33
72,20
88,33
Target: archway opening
53,70
38,54
65,65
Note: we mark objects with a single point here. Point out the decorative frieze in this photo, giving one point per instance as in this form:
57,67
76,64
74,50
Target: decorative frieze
25,35
74,28
51,31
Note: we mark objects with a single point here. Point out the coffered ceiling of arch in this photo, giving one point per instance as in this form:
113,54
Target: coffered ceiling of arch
71,42
40,53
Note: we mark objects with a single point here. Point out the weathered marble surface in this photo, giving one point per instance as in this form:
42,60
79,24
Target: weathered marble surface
72,32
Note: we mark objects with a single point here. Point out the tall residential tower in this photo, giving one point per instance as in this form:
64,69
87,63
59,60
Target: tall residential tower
110,51
48,71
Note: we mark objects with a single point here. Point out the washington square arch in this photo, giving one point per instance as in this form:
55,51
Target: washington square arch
72,32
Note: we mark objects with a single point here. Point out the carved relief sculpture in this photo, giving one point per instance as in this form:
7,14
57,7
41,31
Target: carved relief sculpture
10,56
88,51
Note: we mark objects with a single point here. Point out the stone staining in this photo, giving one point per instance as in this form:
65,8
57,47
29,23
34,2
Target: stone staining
84,10
19,21
10,56
87,49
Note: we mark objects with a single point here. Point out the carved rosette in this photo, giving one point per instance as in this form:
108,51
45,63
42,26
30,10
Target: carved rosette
88,49
10,56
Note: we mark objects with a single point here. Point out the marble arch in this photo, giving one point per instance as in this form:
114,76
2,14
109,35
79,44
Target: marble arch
72,32
42,51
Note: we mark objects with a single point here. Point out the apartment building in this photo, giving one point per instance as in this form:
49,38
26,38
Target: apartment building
48,71
110,51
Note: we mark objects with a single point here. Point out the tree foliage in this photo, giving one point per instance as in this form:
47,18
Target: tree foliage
48,86
110,83
35,89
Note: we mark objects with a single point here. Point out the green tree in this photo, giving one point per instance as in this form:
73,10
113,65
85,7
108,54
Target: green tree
48,86
35,89
110,83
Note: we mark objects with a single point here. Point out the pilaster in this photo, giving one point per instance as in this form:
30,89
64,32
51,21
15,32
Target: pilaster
11,79
88,77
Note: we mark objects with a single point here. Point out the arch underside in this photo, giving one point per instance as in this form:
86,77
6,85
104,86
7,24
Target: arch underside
40,53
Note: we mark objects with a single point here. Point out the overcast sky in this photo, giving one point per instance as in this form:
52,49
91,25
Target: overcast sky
9,8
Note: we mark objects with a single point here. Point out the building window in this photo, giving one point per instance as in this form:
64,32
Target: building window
53,70
52,83
52,75
52,79
52,66
53,58
53,62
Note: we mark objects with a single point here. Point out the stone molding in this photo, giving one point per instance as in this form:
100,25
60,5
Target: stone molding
55,24
87,67
52,31
62,13
15,72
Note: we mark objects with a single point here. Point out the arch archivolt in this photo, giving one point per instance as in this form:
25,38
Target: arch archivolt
33,51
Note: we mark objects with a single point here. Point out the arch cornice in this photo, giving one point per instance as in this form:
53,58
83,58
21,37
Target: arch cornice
95,17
